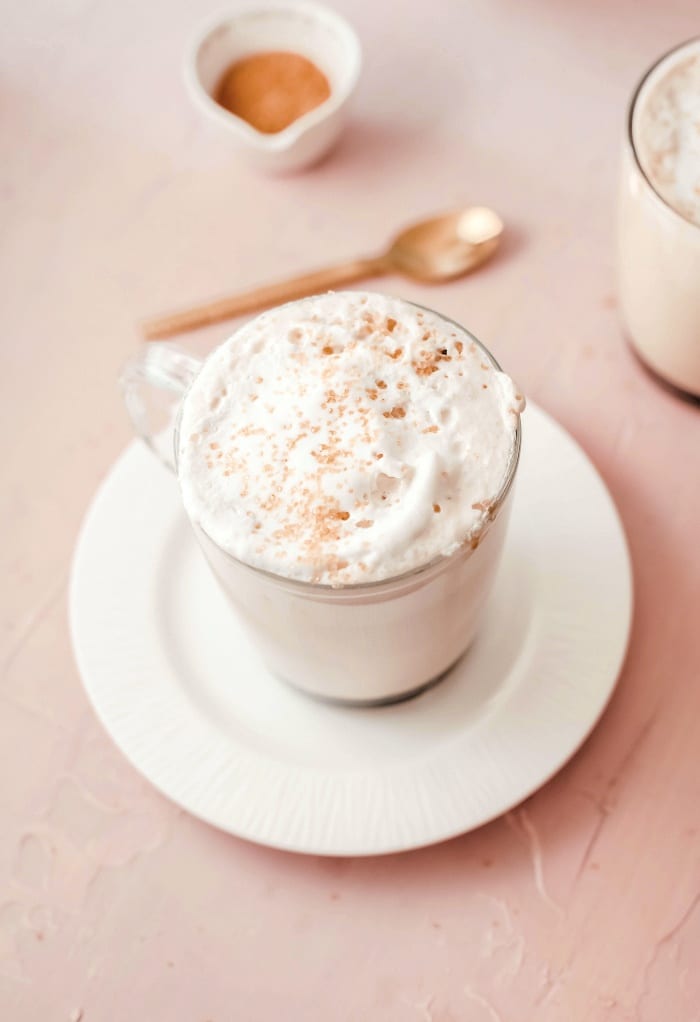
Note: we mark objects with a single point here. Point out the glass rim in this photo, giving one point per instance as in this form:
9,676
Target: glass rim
631,108
442,560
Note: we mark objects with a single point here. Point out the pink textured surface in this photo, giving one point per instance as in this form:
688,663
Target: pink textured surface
116,202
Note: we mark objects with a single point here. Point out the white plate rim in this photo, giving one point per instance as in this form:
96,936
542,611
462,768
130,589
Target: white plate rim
86,547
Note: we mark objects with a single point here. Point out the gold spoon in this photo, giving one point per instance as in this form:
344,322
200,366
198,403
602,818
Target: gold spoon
432,251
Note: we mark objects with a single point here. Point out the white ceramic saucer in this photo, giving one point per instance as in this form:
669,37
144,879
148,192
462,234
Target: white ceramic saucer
184,695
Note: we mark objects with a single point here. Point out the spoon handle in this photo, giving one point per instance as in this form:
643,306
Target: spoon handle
263,297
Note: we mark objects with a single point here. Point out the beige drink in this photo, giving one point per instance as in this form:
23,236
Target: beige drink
347,463
659,219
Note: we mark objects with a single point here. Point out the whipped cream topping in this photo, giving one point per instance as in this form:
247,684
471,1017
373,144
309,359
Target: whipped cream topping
666,131
346,438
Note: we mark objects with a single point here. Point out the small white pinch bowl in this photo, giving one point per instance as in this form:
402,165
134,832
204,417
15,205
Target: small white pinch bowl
304,27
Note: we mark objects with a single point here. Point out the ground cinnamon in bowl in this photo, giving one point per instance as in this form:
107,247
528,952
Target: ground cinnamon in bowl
271,90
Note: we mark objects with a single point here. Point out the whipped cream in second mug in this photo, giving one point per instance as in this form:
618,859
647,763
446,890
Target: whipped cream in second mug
666,130
346,438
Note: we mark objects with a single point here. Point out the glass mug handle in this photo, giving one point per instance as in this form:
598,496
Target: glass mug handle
153,383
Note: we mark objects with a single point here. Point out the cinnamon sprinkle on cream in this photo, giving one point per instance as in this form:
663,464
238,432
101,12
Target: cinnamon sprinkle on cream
336,469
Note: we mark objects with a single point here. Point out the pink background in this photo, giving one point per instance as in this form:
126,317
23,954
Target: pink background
117,201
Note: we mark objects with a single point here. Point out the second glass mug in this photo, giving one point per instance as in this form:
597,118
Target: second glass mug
658,255
360,644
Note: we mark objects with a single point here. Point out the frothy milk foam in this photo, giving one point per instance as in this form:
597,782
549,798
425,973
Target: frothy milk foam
346,438
666,132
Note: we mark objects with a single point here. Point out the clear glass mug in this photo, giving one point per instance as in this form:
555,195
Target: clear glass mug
658,257
360,644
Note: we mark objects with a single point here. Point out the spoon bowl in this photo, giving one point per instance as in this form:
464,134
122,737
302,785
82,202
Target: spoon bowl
448,246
